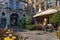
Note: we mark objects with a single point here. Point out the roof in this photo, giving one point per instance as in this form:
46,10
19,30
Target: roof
49,11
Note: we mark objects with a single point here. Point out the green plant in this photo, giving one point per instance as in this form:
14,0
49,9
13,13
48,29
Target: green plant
28,20
22,23
55,18
30,27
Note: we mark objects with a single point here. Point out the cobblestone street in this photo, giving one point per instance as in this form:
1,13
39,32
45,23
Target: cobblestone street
30,19
38,35
35,35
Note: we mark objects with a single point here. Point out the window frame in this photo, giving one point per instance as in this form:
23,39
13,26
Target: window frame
42,6
33,10
49,4
11,4
57,3
17,5
37,8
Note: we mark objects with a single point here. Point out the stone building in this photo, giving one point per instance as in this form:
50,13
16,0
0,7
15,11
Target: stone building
11,11
48,7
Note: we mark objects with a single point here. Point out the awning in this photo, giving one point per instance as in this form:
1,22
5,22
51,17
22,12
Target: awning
49,11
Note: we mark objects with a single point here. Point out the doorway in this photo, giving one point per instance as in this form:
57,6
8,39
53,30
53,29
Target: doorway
14,19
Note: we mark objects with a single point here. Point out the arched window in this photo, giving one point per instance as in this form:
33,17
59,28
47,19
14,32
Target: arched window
3,13
23,15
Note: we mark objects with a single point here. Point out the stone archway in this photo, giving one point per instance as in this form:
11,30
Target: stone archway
14,19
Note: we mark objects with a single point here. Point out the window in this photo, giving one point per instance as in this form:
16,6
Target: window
23,15
42,5
11,4
58,2
33,10
37,8
3,13
49,3
17,5
32,1
24,1
37,0
3,22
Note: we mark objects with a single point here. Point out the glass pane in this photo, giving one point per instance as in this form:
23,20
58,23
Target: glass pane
3,22
33,10
42,5
17,5
57,2
37,8
11,5
49,1
32,1
11,0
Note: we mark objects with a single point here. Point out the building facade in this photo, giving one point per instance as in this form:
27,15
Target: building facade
44,6
12,11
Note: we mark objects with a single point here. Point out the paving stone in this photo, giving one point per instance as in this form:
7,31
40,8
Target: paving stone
32,36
